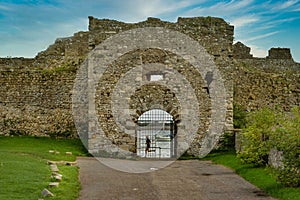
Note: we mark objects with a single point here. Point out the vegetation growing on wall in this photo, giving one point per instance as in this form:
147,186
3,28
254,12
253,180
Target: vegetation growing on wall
239,116
61,68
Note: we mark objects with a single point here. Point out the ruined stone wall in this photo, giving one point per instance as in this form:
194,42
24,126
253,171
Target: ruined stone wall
271,82
214,34
280,53
36,102
241,51
16,63
152,95
69,51
36,94
45,91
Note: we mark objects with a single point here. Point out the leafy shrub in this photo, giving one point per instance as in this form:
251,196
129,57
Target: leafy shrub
268,129
239,116
255,137
287,139
227,142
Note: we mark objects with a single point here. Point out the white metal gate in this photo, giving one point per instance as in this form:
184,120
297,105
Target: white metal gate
159,126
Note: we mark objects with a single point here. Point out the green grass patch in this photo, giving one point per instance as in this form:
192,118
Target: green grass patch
70,186
22,176
259,176
24,172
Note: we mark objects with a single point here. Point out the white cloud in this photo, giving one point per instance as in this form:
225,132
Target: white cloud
245,20
223,8
285,5
140,10
157,7
261,36
43,23
2,7
274,23
257,51
236,5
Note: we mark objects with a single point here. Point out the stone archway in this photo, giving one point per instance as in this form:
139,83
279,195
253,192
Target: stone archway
113,78
154,96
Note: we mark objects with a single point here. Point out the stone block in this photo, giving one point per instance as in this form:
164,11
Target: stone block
71,163
47,193
54,168
53,184
57,177
51,151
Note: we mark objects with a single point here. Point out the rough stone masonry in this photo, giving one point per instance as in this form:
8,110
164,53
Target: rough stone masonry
36,93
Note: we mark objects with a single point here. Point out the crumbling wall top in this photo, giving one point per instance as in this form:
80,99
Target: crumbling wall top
280,53
241,51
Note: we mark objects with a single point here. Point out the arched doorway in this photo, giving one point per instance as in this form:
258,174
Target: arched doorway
159,126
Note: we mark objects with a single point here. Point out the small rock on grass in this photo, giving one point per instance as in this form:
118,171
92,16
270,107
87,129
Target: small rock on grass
53,184
54,168
50,162
71,163
68,153
47,193
57,177
56,174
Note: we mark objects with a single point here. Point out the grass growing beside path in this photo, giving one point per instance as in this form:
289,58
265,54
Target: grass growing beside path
24,172
261,177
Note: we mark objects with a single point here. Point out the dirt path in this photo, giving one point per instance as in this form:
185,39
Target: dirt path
190,179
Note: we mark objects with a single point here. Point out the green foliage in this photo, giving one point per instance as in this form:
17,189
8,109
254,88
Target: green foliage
287,139
255,137
268,129
227,142
239,116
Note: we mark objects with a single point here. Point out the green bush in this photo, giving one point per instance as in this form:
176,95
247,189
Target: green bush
227,142
287,139
268,129
255,137
239,116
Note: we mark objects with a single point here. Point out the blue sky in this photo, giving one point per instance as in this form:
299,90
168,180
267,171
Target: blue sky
28,27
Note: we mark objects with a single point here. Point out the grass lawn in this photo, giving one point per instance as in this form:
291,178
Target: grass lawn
261,177
24,172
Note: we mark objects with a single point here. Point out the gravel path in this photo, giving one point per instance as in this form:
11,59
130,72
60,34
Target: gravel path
190,179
